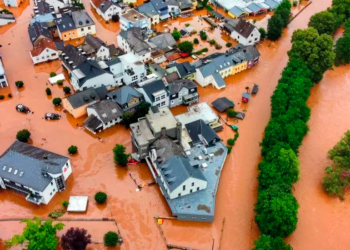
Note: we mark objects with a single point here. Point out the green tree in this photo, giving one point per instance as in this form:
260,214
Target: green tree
48,91
196,41
120,156
57,101
231,113
262,33
266,242
19,84
127,118
285,16
276,211
72,150
37,235
66,90
185,46
142,109
342,50
323,22
52,74
203,35
177,35
23,135
100,197
274,27
111,239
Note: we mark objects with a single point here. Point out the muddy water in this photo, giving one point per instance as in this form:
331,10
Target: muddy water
94,169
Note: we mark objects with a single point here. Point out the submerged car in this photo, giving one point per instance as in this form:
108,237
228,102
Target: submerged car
22,108
52,116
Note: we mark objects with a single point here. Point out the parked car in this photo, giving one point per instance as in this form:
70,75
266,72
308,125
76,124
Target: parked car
22,108
52,116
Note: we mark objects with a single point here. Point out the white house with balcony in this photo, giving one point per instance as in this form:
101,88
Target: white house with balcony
133,18
155,93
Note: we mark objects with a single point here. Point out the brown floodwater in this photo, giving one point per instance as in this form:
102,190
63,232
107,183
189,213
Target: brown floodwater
323,221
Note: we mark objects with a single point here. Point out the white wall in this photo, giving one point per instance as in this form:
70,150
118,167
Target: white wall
46,55
69,170
103,53
85,30
49,192
56,4
188,187
105,79
198,77
11,3
6,21
163,99
253,38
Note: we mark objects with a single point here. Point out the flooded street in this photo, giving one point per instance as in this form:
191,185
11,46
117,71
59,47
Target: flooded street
323,221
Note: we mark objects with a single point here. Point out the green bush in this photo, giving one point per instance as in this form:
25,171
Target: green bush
279,20
60,82
9,95
65,204
262,33
199,7
19,84
185,47
231,113
231,142
203,35
177,35
196,41
111,239
266,242
295,3
120,157
52,74
212,41
228,45
72,150
324,22
100,197
187,24
66,90
2,97
229,149
57,101
48,91
23,135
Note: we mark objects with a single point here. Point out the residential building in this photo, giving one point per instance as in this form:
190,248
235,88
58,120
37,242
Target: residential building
133,70
158,122
42,7
3,80
215,67
173,7
162,8
148,10
102,115
45,50
242,31
58,4
71,57
38,31
186,6
185,70
76,104
95,48
164,42
107,8
74,25
127,98
155,93
6,19
201,111
134,19
182,91
13,3
33,172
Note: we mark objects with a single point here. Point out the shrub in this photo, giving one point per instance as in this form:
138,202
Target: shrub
203,35
231,142
229,149
75,239
254,21
48,91
9,95
65,204
57,213
187,24
185,47
193,32
218,46
176,34
72,150
119,155
19,84
111,239
228,45
324,22
231,113
59,82
66,90
5,11
196,41
2,97
57,101
199,7
52,74
295,3
131,5
262,33
100,197
212,42
23,135
266,242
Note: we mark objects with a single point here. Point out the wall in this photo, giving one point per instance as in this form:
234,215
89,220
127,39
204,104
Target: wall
78,112
83,31
6,21
11,3
68,35
198,77
188,187
46,55
49,192
91,111
98,81
69,170
103,53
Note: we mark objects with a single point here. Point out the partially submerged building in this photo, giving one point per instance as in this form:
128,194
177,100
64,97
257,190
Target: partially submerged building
132,18
107,9
6,19
182,91
127,98
3,79
242,31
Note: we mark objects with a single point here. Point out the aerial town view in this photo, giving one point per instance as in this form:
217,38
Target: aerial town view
174,124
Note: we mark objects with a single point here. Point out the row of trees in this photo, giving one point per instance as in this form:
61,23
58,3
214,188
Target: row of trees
277,209
279,20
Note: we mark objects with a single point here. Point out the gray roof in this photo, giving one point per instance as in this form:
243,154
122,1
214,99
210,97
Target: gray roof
236,11
84,97
255,7
147,9
44,7
136,38
65,23
102,92
231,24
184,69
198,130
95,42
222,104
7,16
159,4
244,28
124,94
82,19
175,86
59,45
90,69
271,3
158,70
30,162
163,41
105,6
73,55
93,123
36,30
153,87
107,110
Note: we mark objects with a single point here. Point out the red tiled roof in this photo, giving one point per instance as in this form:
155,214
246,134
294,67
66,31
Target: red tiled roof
43,44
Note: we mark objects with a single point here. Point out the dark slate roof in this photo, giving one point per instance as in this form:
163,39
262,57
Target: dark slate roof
158,70
124,94
30,162
147,9
184,69
102,92
159,4
44,7
81,19
231,24
105,6
153,87
175,86
95,42
199,127
244,28
163,41
90,69
113,51
216,14
136,38
36,30
59,45
222,104
107,110
7,16
84,97
73,55
93,123
65,23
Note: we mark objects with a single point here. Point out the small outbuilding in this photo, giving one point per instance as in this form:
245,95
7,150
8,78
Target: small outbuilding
245,97
222,104
77,203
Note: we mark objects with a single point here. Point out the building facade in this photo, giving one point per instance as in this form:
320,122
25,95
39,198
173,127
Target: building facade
6,19
3,80
132,18
44,51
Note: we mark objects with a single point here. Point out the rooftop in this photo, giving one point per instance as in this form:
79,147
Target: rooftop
124,94
198,112
87,96
160,118
107,110
43,44
133,16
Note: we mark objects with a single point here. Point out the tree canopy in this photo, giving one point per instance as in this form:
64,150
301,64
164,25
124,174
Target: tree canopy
266,242
324,22
186,47
177,35
75,239
120,156
23,135
274,27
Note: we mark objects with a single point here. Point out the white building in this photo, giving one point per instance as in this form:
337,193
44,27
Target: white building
106,8
242,31
45,50
3,79
133,18
134,70
34,172
6,19
155,93
12,3
148,10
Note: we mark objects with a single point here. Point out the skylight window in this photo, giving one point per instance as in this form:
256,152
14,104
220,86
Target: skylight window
10,169
21,174
15,172
4,168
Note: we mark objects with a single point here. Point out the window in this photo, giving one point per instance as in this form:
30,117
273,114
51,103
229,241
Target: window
134,78
54,190
251,34
142,75
256,39
163,96
190,190
172,102
51,193
89,28
184,187
53,54
157,98
65,35
162,104
197,188
180,93
82,29
51,183
158,105
47,50
179,195
192,184
173,95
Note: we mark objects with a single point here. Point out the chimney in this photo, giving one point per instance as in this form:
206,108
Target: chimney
163,131
179,132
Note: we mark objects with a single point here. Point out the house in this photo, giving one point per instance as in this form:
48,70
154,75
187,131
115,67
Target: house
164,42
77,103
162,8
133,70
173,7
57,4
94,47
158,121
155,93
242,31
3,80
182,91
36,173
133,18
201,111
148,10
102,115
215,67
45,50
186,6
13,3
71,57
185,70
127,98
222,104
42,7
201,133
73,25
6,19
107,8
38,31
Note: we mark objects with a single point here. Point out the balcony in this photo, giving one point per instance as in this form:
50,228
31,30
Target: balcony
36,199
191,98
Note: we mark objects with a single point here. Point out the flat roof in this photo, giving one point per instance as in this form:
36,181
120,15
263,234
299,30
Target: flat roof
77,203
141,132
133,16
162,118
197,112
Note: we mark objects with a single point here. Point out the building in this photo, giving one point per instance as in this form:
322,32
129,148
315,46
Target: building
185,70
13,3
76,104
73,25
162,8
134,19
201,111
95,48
42,7
34,172
58,4
215,67
107,8
38,31
159,121
242,31
173,7
155,93
6,19
3,80
182,91
44,51
164,42
148,10
133,70
127,98
71,57
102,115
